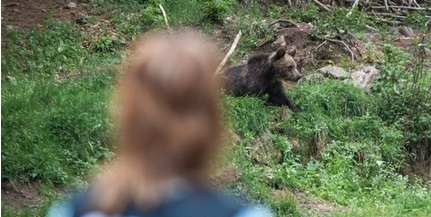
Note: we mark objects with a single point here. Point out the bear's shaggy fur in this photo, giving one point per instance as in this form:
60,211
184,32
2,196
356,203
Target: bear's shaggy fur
263,74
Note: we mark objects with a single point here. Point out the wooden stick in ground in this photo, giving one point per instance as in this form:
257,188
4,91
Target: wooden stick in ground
322,5
164,16
353,7
229,53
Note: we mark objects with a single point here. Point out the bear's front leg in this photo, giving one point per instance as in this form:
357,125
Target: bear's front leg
278,97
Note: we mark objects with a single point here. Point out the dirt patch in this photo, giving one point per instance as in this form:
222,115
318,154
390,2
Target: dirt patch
315,206
18,195
26,14
30,14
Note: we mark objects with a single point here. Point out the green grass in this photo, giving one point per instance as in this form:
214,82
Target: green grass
346,146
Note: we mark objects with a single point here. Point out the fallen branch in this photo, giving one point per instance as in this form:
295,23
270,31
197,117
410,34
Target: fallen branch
322,5
402,7
386,5
164,16
229,53
283,21
391,15
11,5
352,55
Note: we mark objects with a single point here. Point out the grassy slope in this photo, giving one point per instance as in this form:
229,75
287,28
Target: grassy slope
56,131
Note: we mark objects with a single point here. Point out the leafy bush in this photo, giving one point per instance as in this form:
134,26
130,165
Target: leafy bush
409,107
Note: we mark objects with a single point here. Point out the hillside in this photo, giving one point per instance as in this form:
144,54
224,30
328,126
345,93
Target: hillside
360,145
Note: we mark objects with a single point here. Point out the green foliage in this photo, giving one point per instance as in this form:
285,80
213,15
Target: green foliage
328,23
58,130
107,44
417,19
346,146
337,147
409,106
215,10
43,51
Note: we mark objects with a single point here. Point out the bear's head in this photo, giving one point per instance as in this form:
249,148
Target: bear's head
284,66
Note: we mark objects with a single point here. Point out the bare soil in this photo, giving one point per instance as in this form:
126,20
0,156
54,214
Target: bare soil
19,195
30,14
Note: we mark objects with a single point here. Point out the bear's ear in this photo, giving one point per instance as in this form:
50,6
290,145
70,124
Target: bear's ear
278,54
292,51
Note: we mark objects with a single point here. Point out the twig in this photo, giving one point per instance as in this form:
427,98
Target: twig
402,7
371,28
283,21
320,45
311,52
164,16
322,5
11,5
352,55
391,15
353,7
229,53
386,5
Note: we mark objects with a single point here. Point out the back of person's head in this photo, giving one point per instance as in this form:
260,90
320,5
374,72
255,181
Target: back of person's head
167,120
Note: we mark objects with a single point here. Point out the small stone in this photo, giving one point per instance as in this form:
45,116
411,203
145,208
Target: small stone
229,20
312,78
406,31
71,5
365,76
280,42
11,79
10,27
334,72
427,52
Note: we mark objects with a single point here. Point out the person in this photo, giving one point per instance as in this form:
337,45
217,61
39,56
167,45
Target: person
167,131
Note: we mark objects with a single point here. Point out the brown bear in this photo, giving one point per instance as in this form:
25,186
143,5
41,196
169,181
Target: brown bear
263,74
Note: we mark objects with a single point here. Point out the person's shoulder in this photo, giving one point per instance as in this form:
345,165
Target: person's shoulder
254,211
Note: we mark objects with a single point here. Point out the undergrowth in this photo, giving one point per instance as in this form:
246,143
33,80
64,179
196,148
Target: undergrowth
346,146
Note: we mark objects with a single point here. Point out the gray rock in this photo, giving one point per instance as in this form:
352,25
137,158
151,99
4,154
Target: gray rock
229,20
406,31
334,72
427,52
11,79
312,78
71,5
365,76
280,42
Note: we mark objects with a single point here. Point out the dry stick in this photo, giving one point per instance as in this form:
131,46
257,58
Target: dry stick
283,21
164,16
390,15
402,7
353,7
352,55
386,5
322,5
311,52
229,53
